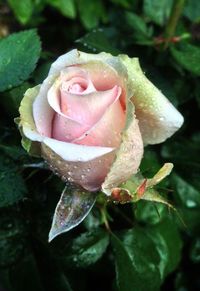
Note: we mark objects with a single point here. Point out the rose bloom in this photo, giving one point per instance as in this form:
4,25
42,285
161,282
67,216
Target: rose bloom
92,116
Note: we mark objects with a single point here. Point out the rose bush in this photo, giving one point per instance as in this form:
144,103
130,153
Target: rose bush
92,116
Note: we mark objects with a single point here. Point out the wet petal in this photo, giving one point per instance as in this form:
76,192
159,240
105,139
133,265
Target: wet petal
86,166
158,118
128,157
42,112
106,132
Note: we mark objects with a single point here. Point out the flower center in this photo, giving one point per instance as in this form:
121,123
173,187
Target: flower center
76,88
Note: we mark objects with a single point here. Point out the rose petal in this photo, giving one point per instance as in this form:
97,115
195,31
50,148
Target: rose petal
128,156
106,132
105,70
88,109
42,112
158,118
86,171
69,125
69,151
65,129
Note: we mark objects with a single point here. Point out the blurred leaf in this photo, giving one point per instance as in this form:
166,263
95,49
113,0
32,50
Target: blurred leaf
42,72
73,206
12,187
195,251
157,10
66,7
25,275
150,213
185,154
97,41
139,27
22,9
17,64
192,10
188,195
88,248
188,56
12,238
14,152
11,99
150,164
91,12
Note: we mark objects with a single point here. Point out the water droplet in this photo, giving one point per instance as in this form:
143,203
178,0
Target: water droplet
191,203
82,177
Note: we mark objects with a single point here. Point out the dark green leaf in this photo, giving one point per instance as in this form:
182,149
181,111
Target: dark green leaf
11,99
22,9
192,10
188,57
91,12
138,25
150,213
12,238
157,10
12,187
144,257
88,248
96,41
66,7
17,64
136,261
188,195
169,245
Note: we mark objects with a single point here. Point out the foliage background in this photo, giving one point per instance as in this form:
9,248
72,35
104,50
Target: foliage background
146,251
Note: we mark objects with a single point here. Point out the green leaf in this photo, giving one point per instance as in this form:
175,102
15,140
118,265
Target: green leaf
11,99
136,261
91,12
22,9
169,245
88,248
188,57
12,187
150,164
192,10
96,41
19,54
187,193
66,7
73,206
157,10
12,231
150,213
145,256
138,25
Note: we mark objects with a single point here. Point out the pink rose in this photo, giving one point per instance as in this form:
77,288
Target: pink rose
90,118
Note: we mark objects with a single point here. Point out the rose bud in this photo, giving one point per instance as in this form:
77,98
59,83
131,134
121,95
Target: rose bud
92,116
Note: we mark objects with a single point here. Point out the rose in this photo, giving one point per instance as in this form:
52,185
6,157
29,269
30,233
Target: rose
91,116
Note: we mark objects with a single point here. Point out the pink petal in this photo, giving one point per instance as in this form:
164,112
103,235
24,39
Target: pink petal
89,173
66,129
107,131
88,109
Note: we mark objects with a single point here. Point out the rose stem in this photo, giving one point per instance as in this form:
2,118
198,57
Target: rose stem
104,218
175,14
